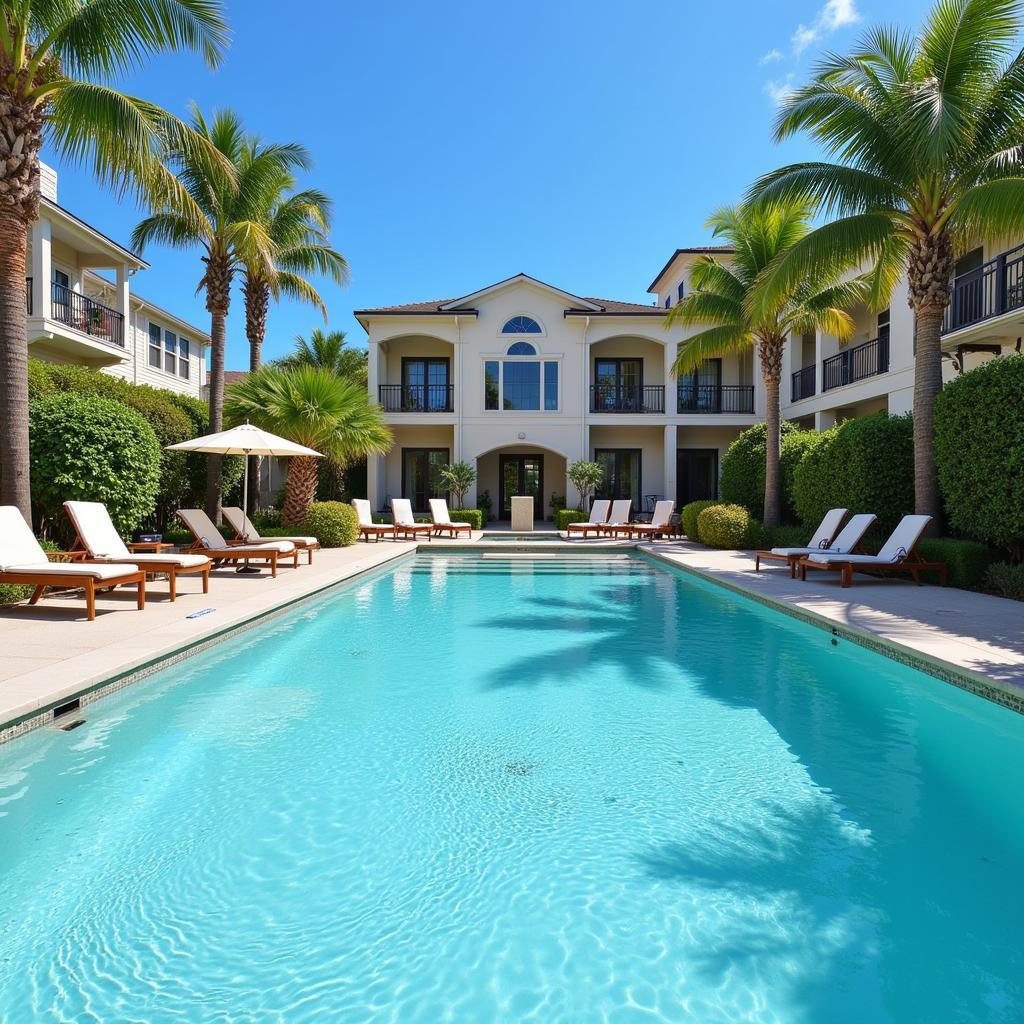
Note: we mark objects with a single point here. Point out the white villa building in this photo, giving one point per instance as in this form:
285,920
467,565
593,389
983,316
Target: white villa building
81,307
520,378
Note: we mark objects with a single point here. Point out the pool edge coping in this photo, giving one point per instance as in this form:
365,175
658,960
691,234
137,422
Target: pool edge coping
1003,694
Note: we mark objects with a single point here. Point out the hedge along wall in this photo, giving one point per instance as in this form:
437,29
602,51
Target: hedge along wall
172,417
743,467
979,452
865,465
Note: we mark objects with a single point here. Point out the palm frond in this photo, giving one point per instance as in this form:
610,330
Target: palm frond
838,190
715,342
993,209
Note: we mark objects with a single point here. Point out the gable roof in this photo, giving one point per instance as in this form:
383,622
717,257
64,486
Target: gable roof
693,250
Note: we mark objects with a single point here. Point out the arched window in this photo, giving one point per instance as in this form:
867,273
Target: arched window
521,348
521,325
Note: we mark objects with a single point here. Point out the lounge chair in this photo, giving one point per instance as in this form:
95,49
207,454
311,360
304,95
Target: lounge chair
659,526
442,520
24,563
898,553
367,527
208,540
101,542
405,525
248,534
598,517
822,540
619,516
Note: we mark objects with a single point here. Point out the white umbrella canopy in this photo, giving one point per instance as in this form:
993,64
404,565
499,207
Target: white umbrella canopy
244,440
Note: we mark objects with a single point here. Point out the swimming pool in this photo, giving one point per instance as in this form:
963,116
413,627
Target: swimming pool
484,790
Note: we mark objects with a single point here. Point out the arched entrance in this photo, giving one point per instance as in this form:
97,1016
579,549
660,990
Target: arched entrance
516,470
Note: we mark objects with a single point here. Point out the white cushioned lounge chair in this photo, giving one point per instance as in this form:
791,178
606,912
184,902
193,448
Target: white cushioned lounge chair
659,526
898,553
23,562
442,520
619,516
367,527
405,524
99,539
248,534
823,538
598,517
209,541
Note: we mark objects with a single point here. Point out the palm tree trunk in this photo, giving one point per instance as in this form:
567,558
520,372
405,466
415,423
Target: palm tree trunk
300,490
218,334
14,453
257,302
770,352
927,384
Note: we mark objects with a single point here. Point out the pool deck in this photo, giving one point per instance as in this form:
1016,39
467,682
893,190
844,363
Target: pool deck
51,654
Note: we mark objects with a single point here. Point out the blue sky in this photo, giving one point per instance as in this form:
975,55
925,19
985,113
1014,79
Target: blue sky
580,142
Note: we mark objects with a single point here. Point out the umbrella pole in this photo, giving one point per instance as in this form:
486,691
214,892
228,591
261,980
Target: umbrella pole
246,567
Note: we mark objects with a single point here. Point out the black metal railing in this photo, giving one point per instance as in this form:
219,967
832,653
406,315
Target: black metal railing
627,398
28,295
86,315
712,398
417,397
857,363
996,287
803,384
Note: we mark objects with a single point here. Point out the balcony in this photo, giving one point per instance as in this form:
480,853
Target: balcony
417,397
716,398
82,313
996,287
803,384
636,398
857,363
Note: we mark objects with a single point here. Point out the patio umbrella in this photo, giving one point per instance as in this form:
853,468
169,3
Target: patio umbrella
244,440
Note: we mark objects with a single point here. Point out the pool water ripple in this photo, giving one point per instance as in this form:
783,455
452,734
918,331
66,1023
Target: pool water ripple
555,792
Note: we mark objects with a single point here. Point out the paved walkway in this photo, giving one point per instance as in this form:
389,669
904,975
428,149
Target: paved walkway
970,632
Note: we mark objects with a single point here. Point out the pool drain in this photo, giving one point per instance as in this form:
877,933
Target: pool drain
519,768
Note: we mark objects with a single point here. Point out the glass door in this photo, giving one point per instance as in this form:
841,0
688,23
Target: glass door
421,475
696,475
521,476
618,385
425,385
701,390
621,474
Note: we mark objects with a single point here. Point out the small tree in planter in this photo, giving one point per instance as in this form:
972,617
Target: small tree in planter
586,477
457,479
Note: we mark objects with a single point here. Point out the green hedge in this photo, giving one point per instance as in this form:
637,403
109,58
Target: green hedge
473,516
743,467
967,560
724,526
89,448
785,537
688,516
333,523
565,516
865,465
979,452
1006,579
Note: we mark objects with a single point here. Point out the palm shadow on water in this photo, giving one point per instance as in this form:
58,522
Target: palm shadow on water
884,920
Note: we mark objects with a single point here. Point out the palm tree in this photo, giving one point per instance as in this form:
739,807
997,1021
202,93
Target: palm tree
313,407
51,54
927,136
225,223
327,350
722,293
297,224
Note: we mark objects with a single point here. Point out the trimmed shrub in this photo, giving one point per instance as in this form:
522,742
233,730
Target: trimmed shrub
1006,579
473,516
979,452
967,560
333,523
565,516
93,449
266,518
865,465
12,593
785,537
688,516
744,462
724,526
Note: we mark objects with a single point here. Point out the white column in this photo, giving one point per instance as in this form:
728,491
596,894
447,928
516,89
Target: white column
670,443
122,304
42,268
374,478
456,380
671,402
372,370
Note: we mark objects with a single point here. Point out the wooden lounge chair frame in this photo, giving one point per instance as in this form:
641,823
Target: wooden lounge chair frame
793,559
911,562
634,530
589,527
91,585
410,530
301,543
239,553
374,530
452,529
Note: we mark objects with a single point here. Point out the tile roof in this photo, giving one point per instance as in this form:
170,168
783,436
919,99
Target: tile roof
610,306
234,376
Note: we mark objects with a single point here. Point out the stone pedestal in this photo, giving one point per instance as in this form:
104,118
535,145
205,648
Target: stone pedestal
522,515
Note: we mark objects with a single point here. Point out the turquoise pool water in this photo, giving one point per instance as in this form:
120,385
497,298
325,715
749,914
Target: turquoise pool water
486,790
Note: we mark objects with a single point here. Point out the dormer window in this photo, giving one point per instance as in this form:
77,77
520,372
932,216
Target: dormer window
521,348
521,325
